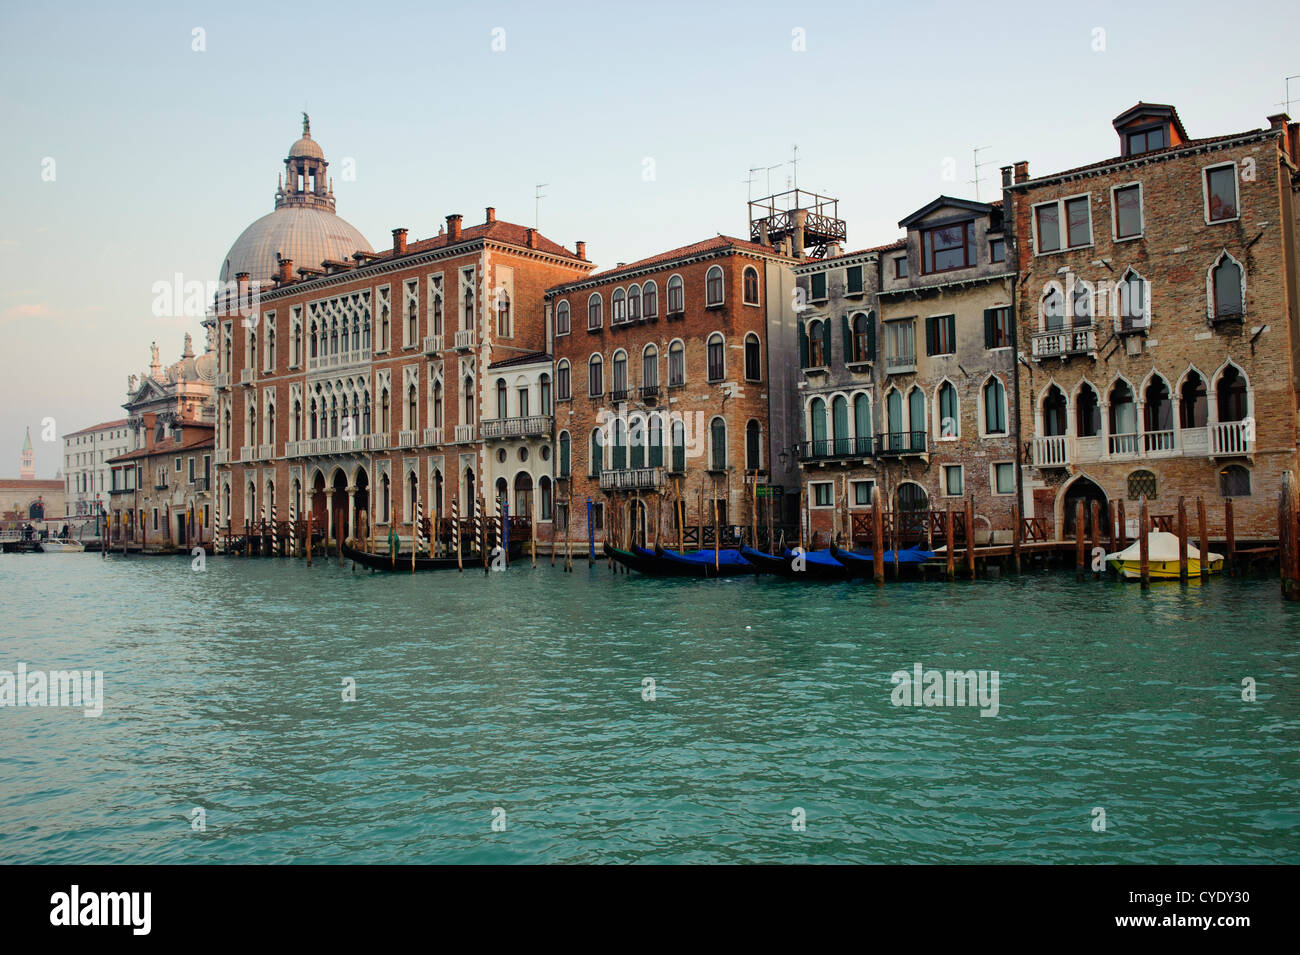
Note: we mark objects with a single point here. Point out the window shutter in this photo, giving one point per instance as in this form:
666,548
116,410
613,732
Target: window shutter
951,321
990,318
931,335
848,338
803,345
826,342
871,336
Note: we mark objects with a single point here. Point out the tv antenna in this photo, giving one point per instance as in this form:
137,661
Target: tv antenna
1287,105
976,153
538,196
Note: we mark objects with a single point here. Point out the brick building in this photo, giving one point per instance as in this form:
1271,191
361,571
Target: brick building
1159,316
367,372
674,382
159,495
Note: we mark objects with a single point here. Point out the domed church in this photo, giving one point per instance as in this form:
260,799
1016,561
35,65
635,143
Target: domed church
304,226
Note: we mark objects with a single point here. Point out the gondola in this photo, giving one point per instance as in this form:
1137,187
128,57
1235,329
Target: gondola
859,562
402,563
801,565
630,560
662,562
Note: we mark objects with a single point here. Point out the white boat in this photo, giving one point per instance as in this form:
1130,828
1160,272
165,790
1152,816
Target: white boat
54,546
1162,558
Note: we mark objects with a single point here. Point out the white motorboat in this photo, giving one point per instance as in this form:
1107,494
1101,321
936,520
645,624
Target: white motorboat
55,546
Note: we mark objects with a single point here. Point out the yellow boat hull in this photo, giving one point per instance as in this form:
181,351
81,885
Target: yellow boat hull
1163,569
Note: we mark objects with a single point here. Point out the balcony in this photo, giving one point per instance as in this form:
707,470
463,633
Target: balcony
901,364
833,449
649,392
534,426
406,438
466,339
295,449
465,433
1051,451
1232,438
432,344
379,441
202,484
160,486
223,379
900,443
1065,342
248,452
617,394
265,452
1227,439
355,356
246,376
631,479
223,456
433,436
1227,319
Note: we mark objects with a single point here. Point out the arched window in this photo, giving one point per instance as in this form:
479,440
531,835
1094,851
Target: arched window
840,425
633,303
717,444
649,300
655,441
717,368
1123,419
523,494
468,303
676,365
563,387
503,314
949,422
753,445
1231,394
713,286
565,455
1054,412
618,384
595,377
1234,481
619,455
503,399
1132,309
469,400
1142,483
862,327
753,358
384,424
562,318
816,344
1087,412
894,418
618,307
436,510
995,407
1081,304
411,419
862,423
295,423
544,393
650,371
676,296
595,317
636,442
1227,289
1192,407
544,488
751,285
437,404
817,428
1158,410
916,419
678,432
596,456
471,493
1051,309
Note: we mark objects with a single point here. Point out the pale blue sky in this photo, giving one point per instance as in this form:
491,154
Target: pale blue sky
163,155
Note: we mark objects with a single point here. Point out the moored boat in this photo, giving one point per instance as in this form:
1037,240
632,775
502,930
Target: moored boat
797,564
56,546
662,562
402,562
1162,559
860,562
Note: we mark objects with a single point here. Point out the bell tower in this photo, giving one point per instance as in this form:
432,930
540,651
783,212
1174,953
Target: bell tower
27,464
305,183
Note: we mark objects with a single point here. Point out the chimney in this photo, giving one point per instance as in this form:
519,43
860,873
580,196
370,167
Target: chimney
490,216
1281,121
1021,171
286,270
453,227
399,241
763,237
800,221
532,238
1006,176
833,250
580,248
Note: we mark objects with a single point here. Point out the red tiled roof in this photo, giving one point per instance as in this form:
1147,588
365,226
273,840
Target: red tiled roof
499,231
1154,153
717,243
120,422
527,359
896,244
169,445
32,484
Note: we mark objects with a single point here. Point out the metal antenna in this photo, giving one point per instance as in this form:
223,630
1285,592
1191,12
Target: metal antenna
976,152
750,183
1287,105
794,164
538,196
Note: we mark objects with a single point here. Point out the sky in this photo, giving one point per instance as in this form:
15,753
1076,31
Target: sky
140,139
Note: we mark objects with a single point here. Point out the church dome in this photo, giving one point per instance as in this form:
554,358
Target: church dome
304,226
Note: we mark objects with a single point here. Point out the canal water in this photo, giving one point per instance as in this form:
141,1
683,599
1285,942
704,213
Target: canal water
522,698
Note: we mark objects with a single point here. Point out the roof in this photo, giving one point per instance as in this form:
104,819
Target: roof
190,441
528,359
944,202
718,243
118,423
498,230
30,484
890,247
1157,109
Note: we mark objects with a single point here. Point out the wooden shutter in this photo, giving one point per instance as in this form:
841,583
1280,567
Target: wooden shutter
871,336
826,342
990,327
931,334
951,322
847,328
803,345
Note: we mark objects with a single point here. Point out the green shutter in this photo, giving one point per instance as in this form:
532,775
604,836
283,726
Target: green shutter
871,335
952,332
826,342
803,346
848,338
931,338
990,317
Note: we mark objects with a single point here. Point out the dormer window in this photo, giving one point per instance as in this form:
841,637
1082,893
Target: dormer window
1146,141
948,247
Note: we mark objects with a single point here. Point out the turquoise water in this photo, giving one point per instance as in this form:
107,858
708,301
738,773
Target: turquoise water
523,691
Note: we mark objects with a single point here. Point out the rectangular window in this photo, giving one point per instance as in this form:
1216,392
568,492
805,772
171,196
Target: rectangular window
853,280
1079,221
598,515
900,267
1127,203
900,343
191,472
862,493
1145,141
1047,222
997,327
948,247
1221,193
940,334
1004,478
823,494
997,250
952,486
817,286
